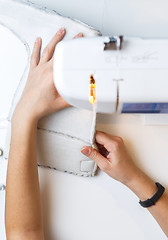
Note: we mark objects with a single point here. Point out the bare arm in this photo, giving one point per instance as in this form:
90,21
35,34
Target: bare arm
23,207
119,165
40,97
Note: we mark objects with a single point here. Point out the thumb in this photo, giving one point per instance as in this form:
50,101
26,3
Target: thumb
93,154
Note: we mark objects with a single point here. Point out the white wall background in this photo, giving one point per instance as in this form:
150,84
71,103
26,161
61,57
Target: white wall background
146,18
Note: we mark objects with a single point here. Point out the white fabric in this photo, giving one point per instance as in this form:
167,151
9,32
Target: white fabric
60,135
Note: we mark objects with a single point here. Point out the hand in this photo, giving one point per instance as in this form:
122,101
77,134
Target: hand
113,158
40,97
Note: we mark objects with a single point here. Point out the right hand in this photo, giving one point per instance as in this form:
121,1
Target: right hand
113,158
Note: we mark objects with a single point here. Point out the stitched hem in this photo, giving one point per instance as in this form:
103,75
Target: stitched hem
85,174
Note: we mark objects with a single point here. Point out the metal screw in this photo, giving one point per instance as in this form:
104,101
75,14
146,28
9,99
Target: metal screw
1,152
2,187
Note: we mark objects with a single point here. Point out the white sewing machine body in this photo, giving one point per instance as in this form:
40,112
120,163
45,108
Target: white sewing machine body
131,75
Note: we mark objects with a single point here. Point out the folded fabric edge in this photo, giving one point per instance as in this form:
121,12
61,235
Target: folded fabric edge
50,11
91,141
81,174
83,170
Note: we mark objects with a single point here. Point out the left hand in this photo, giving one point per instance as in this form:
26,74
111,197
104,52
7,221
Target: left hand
40,97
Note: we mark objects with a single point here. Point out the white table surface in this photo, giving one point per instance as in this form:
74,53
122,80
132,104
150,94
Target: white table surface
99,207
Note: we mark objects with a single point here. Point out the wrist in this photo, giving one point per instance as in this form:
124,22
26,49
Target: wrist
23,117
21,121
143,186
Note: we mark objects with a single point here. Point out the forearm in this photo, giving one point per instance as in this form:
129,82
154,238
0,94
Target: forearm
144,187
39,98
23,210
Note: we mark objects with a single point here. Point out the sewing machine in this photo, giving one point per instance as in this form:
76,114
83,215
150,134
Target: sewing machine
124,75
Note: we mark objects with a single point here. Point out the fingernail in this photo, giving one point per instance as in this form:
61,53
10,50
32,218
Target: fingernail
79,35
85,151
61,30
37,39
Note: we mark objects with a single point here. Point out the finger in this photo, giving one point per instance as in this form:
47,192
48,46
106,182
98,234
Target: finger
49,49
35,57
93,154
78,35
107,140
104,138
